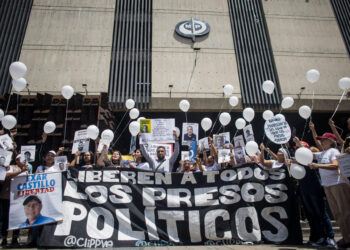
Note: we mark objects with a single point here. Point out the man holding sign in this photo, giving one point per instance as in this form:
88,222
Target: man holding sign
161,164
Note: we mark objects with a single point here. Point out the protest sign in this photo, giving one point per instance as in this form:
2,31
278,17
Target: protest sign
152,149
240,156
101,143
344,164
185,155
226,137
219,141
204,144
35,200
131,207
60,163
5,157
224,155
6,142
146,126
81,141
28,153
248,133
277,130
162,131
239,141
189,133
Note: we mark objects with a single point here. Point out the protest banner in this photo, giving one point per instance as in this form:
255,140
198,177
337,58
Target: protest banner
35,200
81,141
131,207
28,153
162,131
277,130
189,133
6,142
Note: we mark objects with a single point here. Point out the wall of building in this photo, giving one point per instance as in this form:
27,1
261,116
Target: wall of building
173,58
305,35
69,42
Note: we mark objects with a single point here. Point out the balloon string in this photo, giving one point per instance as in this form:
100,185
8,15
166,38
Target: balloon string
302,136
121,133
120,122
219,129
17,107
65,123
222,104
234,135
186,116
312,102
336,109
8,103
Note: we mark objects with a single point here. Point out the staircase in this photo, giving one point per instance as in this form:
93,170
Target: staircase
305,228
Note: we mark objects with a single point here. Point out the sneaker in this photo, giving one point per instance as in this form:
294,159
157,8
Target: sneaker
319,242
330,243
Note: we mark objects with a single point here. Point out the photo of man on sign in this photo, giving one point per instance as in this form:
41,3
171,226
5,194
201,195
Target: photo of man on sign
32,208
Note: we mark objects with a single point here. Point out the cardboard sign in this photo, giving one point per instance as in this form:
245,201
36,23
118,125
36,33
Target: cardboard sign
277,130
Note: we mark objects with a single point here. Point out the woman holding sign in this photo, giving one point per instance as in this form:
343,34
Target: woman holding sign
139,161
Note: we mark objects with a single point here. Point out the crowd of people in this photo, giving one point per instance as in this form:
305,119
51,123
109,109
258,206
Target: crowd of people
322,184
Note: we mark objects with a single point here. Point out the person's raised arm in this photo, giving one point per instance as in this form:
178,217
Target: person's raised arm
314,136
103,156
335,131
145,154
76,159
176,152
13,174
214,151
330,166
266,163
273,155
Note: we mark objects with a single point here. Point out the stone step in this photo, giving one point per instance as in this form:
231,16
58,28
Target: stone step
305,224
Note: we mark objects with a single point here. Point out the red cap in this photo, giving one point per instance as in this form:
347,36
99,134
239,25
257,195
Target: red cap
304,144
329,136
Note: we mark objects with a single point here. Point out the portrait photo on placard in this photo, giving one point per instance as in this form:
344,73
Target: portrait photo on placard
28,153
189,133
61,163
239,141
203,144
5,157
146,126
81,141
239,156
6,142
219,141
224,155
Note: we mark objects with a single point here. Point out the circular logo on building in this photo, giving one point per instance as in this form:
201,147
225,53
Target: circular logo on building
192,28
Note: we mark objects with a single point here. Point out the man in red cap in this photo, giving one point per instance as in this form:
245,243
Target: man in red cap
337,187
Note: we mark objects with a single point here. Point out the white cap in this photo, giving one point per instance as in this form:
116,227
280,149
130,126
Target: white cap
52,152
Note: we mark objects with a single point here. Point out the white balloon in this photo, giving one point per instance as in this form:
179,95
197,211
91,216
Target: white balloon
304,156
280,116
17,70
233,101
140,118
134,128
92,132
184,105
248,114
49,127
344,83
312,75
19,84
224,118
134,113
267,115
1,114
228,89
9,121
107,135
206,123
130,103
178,132
251,148
67,91
297,171
305,111
240,123
287,102
268,87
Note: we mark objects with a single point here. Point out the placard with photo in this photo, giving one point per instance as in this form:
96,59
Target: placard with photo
28,153
203,144
189,133
219,141
240,156
6,142
5,157
248,133
61,163
81,141
239,141
224,155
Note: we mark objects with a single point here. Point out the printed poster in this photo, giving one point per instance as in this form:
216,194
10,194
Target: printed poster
248,133
240,156
219,141
162,131
6,142
35,200
239,141
28,153
5,157
185,155
81,141
152,150
224,155
226,137
190,133
204,144
146,126
60,163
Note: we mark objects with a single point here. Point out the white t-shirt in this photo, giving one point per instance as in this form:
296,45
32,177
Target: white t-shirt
276,164
215,167
329,177
142,165
47,169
